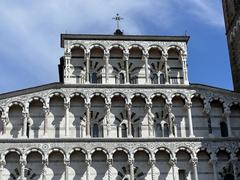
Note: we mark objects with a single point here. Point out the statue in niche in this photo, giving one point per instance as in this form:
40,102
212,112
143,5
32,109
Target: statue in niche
170,118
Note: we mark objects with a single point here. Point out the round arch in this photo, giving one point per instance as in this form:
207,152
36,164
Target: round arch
35,150
99,94
18,151
164,149
145,150
121,149
180,50
119,94
99,149
37,98
181,95
57,150
78,94
97,45
164,96
116,45
155,46
78,45
137,46
188,150
60,94
144,96
18,103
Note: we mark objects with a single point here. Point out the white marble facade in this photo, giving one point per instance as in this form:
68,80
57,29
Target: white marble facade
124,110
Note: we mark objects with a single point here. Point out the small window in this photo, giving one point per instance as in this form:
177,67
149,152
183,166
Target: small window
94,77
162,79
224,129
158,130
121,78
182,174
95,130
124,130
166,130
154,78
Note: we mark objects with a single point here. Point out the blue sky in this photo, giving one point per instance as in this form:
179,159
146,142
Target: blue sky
30,34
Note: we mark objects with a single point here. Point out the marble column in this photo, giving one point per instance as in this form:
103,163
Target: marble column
46,115
107,125
87,59
25,121
150,119
88,106
173,164
184,67
67,58
126,60
2,164
67,107
145,57
131,167
5,121
194,164
110,166
44,171
88,162
129,112
164,59
153,169
189,111
23,164
206,111
213,161
106,56
227,114
67,165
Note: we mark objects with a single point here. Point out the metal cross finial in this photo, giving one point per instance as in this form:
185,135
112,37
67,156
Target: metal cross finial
118,19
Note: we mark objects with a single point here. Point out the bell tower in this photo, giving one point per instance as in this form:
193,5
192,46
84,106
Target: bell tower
231,9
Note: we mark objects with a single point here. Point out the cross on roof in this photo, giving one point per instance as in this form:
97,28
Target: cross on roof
117,18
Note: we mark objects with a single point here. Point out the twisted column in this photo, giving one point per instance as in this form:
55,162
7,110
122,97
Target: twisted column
129,112
67,58
110,163
107,126
150,119
88,106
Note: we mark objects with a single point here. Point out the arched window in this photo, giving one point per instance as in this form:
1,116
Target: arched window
154,78
95,130
162,78
158,130
124,130
224,129
121,78
94,77
166,130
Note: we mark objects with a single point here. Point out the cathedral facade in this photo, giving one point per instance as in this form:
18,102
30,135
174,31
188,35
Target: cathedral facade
123,110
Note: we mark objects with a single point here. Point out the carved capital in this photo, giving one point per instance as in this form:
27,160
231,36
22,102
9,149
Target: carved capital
173,161
87,105
88,162
128,106
126,56
109,162
87,55
194,161
67,105
188,105
67,162
131,162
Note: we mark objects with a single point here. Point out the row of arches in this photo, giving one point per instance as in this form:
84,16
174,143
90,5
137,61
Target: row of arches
99,165
121,119
121,67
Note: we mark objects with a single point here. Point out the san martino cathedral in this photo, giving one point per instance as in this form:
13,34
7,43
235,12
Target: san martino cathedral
124,109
